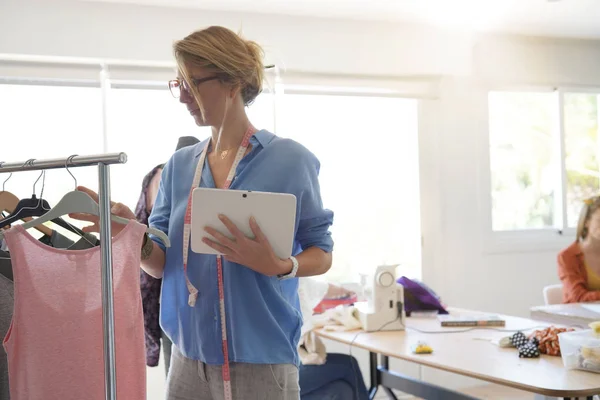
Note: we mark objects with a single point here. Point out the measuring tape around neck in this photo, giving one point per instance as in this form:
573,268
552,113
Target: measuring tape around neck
187,225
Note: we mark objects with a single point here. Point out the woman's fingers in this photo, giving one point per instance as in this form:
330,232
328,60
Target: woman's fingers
92,194
222,239
91,228
258,233
122,210
84,217
89,192
218,247
235,231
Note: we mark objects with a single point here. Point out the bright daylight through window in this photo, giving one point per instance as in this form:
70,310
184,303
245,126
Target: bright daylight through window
146,125
361,141
368,143
527,140
49,122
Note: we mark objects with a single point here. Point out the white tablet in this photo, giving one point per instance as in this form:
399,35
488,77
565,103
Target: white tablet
275,214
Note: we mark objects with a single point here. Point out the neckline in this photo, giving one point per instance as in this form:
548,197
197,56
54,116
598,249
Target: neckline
19,228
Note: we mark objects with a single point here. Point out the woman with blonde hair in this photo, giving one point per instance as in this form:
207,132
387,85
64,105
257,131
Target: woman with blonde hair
234,320
579,264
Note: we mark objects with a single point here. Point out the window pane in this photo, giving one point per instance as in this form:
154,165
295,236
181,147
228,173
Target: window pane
522,137
49,122
369,176
581,151
145,124
262,112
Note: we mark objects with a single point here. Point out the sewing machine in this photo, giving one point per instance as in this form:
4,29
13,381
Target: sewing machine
384,308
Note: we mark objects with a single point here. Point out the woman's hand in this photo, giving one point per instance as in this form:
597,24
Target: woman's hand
256,254
118,209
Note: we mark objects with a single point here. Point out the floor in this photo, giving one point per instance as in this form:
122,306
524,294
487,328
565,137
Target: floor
156,380
491,391
483,392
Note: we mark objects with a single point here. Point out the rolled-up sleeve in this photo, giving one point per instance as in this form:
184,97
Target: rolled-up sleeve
161,211
314,221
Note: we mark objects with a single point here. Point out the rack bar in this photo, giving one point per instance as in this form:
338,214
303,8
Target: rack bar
108,310
75,161
108,318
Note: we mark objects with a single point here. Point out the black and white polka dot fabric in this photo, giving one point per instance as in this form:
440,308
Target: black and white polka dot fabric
518,339
529,350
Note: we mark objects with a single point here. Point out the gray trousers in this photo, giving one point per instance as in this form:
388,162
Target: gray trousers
166,345
194,380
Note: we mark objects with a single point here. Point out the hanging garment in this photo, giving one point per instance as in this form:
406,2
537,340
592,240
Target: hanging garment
149,286
6,312
5,267
7,299
55,342
59,241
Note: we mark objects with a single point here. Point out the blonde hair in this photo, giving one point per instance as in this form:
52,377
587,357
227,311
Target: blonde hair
590,206
234,60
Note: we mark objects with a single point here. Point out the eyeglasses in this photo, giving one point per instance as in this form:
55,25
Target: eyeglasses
177,85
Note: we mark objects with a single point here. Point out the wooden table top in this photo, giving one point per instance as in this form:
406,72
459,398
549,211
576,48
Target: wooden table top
471,353
575,314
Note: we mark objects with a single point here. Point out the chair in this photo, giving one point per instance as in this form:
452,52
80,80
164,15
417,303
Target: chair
553,294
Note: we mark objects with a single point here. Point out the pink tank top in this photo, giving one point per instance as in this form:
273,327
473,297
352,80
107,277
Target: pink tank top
55,341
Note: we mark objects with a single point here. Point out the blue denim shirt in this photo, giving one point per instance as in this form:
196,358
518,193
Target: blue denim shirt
263,313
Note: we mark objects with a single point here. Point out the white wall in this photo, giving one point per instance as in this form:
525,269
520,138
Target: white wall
457,262
73,28
468,271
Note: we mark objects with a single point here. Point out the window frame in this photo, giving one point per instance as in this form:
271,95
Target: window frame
121,74
530,240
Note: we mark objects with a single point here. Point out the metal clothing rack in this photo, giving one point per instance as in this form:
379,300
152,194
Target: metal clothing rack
108,320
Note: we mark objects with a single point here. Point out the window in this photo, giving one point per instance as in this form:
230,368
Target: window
369,176
529,150
47,122
521,150
581,151
262,112
376,150
145,124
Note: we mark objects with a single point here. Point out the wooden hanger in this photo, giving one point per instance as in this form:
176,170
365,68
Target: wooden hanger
9,201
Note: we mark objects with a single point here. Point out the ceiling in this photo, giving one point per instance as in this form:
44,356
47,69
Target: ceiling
560,18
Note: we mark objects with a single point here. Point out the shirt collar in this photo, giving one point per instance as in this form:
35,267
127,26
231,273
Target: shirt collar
260,138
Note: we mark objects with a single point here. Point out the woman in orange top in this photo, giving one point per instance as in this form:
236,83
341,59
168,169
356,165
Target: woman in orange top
579,264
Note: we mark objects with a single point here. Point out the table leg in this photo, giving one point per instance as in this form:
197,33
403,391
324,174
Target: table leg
374,374
385,363
390,394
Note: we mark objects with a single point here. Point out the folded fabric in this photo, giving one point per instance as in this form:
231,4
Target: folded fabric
419,297
312,350
340,318
548,339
